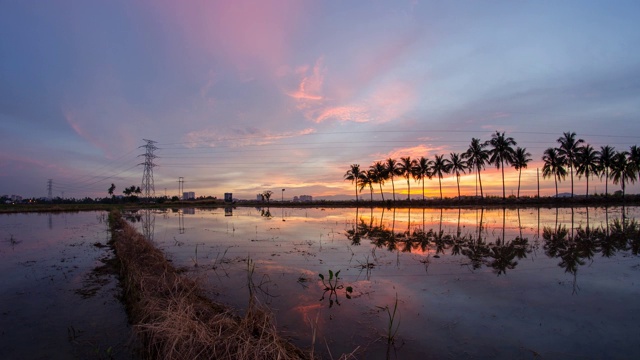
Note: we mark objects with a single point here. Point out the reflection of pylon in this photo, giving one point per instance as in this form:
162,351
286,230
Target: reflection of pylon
147,175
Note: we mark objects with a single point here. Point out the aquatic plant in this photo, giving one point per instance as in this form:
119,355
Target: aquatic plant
331,286
392,325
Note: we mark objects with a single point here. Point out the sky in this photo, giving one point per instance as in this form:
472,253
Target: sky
248,96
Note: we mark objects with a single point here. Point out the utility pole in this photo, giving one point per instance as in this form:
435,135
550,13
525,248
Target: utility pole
180,187
49,189
147,175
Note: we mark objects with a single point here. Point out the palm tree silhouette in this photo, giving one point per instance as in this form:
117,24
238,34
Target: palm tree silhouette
623,171
354,174
477,156
587,163
553,166
634,157
405,168
367,180
439,168
457,166
392,170
423,170
501,153
380,174
520,159
569,149
605,161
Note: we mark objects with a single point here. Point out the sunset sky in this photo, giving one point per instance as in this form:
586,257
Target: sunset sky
248,96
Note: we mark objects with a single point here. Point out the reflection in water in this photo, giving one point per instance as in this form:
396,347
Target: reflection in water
574,246
458,266
148,223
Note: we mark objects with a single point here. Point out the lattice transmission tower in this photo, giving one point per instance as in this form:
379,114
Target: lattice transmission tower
147,175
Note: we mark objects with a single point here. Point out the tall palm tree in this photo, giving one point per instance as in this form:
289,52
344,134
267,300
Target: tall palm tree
457,166
501,153
623,170
520,159
440,167
477,156
569,149
587,163
367,180
605,161
423,170
354,174
392,170
634,157
405,168
380,174
553,166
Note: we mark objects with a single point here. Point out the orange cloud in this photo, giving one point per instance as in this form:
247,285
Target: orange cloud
245,137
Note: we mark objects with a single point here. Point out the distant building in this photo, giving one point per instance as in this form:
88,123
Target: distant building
259,197
188,195
228,197
16,198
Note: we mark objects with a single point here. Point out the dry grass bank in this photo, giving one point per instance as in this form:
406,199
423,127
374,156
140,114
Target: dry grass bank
175,321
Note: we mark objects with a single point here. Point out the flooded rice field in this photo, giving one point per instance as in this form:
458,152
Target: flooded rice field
378,283
58,299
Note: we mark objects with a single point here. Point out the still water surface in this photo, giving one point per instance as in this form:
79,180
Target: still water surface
469,283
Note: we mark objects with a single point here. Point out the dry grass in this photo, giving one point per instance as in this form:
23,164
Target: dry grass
175,321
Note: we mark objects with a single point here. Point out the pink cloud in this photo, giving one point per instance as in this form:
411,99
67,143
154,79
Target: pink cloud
244,32
74,122
239,137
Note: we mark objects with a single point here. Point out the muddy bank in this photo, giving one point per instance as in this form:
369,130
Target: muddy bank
174,320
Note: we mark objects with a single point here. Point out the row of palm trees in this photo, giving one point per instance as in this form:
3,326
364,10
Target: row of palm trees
502,151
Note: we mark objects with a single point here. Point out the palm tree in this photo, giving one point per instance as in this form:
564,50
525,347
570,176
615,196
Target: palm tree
423,170
457,165
520,159
405,168
605,161
111,189
380,174
553,166
623,170
569,149
477,156
392,170
587,163
501,153
354,174
367,180
634,157
440,166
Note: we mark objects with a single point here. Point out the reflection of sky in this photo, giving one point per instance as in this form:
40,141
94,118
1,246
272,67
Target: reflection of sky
445,306
247,96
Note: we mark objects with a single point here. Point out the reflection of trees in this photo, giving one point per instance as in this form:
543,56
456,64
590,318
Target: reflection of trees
574,247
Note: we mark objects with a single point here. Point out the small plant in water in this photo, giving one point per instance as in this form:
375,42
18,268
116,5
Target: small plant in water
392,327
331,286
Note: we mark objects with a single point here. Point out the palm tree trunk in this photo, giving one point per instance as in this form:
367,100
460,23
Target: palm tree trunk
393,189
503,190
587,186
458,179
480,180
371,191
571,168
423,188
440,183
356,191
606,182
381,194
556,179
408,189
519,177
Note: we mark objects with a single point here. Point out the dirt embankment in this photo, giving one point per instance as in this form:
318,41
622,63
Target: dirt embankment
175,321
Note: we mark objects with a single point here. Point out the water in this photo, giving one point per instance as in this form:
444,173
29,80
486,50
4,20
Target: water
516,293
53,305
468,283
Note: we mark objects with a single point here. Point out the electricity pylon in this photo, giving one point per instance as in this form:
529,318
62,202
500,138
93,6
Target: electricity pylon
147,175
